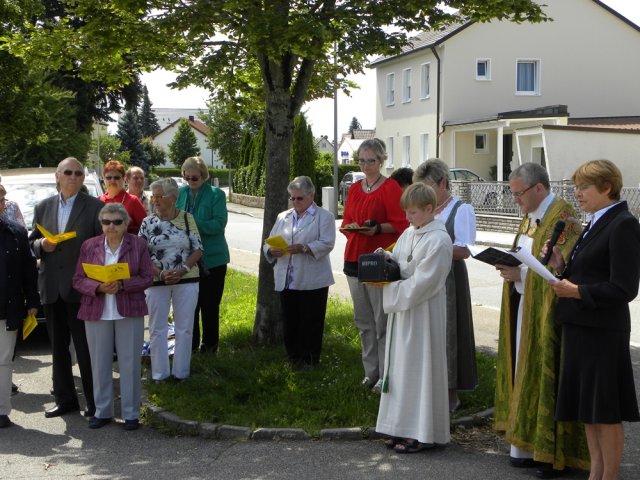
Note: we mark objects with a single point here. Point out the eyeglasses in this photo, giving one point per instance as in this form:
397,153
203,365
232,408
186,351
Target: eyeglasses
191,179
113,177
522,192
154,198
299,199
368,161
106,221
77,173
583,187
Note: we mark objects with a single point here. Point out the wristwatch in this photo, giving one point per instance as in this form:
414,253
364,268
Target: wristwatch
305,249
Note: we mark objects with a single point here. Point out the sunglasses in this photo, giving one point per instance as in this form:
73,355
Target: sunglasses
114,177
191,179
154,198
299,199
106,221
368,161
77,173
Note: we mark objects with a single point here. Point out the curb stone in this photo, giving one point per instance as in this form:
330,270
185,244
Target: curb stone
160,417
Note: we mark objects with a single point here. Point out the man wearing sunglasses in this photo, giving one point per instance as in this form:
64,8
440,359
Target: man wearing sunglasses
68,211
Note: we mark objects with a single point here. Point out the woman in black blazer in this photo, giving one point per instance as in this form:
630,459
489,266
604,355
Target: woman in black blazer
600,279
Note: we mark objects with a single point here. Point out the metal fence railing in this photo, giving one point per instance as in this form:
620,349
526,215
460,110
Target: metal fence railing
495,197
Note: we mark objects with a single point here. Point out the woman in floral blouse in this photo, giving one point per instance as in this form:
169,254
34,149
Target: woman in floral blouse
174,254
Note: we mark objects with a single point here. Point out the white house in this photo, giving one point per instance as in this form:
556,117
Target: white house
493,95
350,143
165,136
324,145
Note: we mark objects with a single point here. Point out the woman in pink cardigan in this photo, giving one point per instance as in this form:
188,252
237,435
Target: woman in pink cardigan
114,314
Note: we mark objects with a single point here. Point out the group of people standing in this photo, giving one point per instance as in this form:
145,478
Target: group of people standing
172,253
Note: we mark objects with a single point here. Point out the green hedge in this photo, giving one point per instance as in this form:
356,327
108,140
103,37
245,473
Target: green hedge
222,174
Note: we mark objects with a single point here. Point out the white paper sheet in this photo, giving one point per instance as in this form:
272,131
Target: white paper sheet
534,264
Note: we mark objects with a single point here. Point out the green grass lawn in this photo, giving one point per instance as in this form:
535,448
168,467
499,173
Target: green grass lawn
249,385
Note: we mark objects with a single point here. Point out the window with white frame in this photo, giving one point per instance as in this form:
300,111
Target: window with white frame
424,80
389,163
528,77
406,150
483,69
480,144
391,88
406,85
424,147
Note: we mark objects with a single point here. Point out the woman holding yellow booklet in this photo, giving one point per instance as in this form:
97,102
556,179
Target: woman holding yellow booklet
113,311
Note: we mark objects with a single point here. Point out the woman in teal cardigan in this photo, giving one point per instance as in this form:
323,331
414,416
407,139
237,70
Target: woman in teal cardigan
208,205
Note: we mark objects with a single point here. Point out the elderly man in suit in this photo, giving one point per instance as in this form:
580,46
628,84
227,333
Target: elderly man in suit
68,211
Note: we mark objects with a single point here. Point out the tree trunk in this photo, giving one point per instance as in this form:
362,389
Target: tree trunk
267,328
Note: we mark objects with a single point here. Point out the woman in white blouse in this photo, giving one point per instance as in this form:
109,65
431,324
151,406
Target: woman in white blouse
302,271
460,220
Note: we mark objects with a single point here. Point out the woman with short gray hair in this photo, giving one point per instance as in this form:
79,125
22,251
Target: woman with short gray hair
460,220
175,248
302,271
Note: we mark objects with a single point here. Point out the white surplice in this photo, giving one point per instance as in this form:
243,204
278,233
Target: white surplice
417,403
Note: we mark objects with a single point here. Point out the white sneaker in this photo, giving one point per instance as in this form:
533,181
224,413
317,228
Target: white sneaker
367,382
377,388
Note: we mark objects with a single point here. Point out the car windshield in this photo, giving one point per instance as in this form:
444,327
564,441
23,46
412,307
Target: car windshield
28,195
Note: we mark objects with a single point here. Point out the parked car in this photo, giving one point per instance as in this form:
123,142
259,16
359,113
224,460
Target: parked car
28,186
349,179
462,174
180,181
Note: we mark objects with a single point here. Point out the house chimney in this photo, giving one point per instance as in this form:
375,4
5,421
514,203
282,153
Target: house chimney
191,118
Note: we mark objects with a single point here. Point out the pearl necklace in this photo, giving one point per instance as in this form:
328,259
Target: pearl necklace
369,187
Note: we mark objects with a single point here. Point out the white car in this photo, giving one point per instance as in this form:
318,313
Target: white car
28,186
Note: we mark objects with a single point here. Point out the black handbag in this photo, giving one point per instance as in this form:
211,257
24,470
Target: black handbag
202,268
376,267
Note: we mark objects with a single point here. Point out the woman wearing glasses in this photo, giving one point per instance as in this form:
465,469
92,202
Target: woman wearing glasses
372,219
114,312
113,175
10,210
597,283
174,254
302,271
208,205
460,220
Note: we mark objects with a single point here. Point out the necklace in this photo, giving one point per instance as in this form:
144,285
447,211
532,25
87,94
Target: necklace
369,187
441,207
413,246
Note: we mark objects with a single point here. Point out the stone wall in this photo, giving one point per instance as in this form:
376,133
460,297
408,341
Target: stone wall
497,223
246,200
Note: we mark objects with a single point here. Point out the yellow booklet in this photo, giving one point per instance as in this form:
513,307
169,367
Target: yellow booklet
277,242
29,324
57,238
108,273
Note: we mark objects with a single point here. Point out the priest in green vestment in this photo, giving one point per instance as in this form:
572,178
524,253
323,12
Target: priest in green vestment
529,340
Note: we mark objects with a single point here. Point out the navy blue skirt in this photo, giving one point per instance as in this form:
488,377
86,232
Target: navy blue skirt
596,377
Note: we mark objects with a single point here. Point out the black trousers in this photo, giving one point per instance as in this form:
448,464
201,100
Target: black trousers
63,325
209,297
304,312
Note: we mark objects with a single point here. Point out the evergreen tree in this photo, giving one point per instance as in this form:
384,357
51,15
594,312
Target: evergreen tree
245,148
147,120
131,138
354,125
184,144
303,150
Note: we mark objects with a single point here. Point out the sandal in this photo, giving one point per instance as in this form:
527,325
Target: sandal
411,446
391,442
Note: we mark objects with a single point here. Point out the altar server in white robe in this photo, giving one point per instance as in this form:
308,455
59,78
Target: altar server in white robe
414,406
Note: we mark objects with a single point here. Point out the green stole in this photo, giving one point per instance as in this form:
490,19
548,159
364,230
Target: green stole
524,410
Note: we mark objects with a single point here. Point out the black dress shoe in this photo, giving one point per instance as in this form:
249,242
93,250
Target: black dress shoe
523,462
89,412
14,388
4,421
59,410
546,470
96,422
